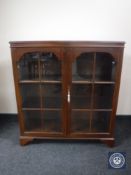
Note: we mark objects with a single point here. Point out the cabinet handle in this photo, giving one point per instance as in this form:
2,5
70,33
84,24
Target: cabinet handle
68,96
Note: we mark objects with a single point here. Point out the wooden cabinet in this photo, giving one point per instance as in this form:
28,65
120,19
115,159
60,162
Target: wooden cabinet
67,90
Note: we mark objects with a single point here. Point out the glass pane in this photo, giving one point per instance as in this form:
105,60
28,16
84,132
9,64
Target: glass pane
80,121
50,67
32,120
28,66
81,96
105,67
52,95
30,95
103,95
52,121
82,67
101,121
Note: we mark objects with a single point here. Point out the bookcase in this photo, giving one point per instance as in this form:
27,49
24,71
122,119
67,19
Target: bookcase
67,89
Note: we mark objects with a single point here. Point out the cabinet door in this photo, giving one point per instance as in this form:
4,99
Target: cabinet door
91,91
80,91
40,76
105,66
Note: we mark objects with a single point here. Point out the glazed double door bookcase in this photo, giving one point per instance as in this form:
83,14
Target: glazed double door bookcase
67,90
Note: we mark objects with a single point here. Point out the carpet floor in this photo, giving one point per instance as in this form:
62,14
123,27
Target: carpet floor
61,157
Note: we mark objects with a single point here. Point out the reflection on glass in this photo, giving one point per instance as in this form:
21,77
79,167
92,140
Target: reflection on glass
39,65
105,67
30,95
32,120
101,121
80,121
80,96
52,121
50,67
52,97
82,67
28,66
103,95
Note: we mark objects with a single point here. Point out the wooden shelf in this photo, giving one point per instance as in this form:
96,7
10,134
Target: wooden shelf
81,82
104,82
39,81
56,81
93,82
60,109
92,110
41,109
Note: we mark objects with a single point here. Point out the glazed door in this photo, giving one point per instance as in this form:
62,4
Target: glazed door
90,91
40,78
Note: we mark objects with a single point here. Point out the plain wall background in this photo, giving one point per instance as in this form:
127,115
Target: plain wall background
63,20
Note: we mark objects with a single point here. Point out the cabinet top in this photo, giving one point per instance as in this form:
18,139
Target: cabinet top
67,43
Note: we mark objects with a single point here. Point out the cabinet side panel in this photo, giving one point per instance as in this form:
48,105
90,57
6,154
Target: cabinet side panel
17,91
119,53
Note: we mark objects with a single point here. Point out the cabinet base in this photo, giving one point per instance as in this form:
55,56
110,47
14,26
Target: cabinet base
109,141
24,140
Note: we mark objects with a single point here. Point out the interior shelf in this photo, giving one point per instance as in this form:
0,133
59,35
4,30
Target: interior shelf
92,110
57,81
41,109
104,82
40,81
81,82
93,82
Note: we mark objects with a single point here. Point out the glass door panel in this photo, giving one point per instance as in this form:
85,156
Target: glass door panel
30,95
52,121
105,67
103,95
100,121
51,95
50,67
80,92
81,96
28,66
32,120
80,121
40,75
82,67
